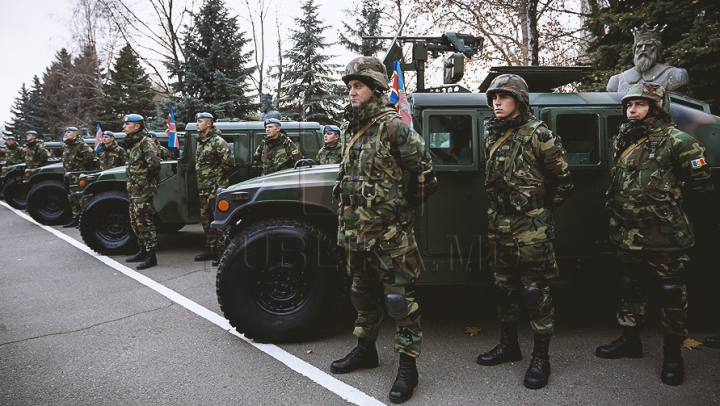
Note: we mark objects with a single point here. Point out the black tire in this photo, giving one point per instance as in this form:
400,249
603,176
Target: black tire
47,203
105,224
16,192
281,281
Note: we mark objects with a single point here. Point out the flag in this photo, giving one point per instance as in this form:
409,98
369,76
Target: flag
398,96
173,141
98,137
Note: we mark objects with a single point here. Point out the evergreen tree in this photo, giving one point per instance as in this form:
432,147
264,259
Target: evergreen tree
18,123
312,90
83,90
35,112
55,92
367,23
128,90
215,76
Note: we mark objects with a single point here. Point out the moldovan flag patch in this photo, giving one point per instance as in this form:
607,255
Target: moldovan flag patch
698,163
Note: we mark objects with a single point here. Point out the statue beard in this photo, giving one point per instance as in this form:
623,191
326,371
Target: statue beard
644,62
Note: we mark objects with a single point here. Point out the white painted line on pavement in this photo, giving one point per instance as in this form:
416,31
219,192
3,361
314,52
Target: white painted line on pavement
345,391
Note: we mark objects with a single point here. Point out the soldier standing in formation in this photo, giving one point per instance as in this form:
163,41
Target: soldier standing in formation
330,153
111,155
163,152
654,164
376,221
77,156
213,164
523,159
276,151
36,155
13,153
142,170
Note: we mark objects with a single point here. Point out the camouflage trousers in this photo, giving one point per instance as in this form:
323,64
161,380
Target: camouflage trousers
213,236
522,274
75,205
378,275
141,221
644,270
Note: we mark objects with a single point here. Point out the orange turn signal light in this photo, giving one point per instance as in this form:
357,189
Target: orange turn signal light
27,175
81,183
223,205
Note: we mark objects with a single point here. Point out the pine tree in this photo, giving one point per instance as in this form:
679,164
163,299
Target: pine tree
83,90
35,112
128,90
18,125
55,92
215,76
367,23
312,90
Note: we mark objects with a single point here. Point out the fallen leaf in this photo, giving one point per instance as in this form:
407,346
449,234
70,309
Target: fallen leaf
308,352
473,331
689,343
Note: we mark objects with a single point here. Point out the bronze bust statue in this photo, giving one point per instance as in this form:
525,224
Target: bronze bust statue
267,108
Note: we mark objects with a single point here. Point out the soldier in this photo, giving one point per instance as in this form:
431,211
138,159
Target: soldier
77,156
524,158
276,151
655,163
330,153
111,155
376,221
213,164
142,170
13,154
36,155
164,153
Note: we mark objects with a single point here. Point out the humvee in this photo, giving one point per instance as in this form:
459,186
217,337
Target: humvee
282,277
105,221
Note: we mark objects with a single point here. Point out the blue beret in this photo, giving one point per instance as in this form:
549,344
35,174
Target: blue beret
109,133
133,118
273,121
152,134
331,128
30,132
71,129
204,115
11,138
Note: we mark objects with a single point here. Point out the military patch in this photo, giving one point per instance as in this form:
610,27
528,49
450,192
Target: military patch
295,152
698,163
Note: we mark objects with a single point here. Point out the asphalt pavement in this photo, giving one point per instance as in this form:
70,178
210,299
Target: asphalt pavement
77,328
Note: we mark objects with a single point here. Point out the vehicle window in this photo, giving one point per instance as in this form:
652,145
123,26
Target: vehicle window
231,143
450,139
580,136
613,125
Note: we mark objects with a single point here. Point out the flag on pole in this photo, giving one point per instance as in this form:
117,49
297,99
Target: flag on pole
98,137
170,130
398,96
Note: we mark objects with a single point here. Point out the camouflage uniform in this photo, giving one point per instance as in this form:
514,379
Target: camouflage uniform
36,155
329,154
273,155
77,156
111,157
14,155
163,152
142,170
213,163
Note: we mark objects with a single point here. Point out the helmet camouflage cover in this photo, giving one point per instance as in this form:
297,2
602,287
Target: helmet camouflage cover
366,68
513,84
653,93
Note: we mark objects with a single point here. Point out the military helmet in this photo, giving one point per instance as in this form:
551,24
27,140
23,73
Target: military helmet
510,83
329,128
653,93
273,121
369,70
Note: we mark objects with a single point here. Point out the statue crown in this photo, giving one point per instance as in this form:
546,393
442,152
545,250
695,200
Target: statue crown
645,33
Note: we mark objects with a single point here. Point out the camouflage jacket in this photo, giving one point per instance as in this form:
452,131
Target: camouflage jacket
645,193
526,176
277,154
77,156
142,167
14,155
36,155
111,157
374,213
329,154
163,152
213,161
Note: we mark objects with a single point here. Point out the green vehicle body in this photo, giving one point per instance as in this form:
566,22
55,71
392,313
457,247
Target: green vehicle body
104,222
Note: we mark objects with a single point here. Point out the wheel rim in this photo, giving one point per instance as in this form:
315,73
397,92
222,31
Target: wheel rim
52,205
282,288
113,228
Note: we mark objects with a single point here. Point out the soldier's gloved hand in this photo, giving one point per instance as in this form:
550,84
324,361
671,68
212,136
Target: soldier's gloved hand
336,190
421,188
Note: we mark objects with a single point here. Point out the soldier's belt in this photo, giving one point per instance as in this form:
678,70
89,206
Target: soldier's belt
347,199
507,208
628,222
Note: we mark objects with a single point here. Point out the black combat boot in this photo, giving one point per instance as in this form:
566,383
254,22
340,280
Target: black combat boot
712,342
363,356
206,256
627,346
216,260
73,223
406,380
538,372
507,351
150,260
673,370
137,257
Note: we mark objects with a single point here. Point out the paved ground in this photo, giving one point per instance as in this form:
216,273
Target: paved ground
78,328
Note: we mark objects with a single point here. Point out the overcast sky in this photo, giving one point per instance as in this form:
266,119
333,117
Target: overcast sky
34,30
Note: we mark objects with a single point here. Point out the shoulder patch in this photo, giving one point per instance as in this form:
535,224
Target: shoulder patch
698,163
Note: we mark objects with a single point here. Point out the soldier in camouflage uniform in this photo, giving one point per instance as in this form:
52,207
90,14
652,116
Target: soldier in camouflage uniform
36,155
655,164
111,155
163,152
527,178
376,221
77,156
330,153
13,154
276,151
142,170
213,164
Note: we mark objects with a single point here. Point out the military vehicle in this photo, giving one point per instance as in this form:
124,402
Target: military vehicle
282,277
105,222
